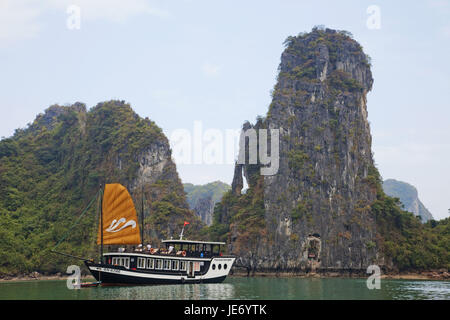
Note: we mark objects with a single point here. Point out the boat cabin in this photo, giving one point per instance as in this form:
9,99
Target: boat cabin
178,258
199,249
177,261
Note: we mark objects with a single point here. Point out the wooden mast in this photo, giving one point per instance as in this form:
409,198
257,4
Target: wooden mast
142,216
101,224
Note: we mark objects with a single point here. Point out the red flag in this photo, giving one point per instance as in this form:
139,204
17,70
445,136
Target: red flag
185,223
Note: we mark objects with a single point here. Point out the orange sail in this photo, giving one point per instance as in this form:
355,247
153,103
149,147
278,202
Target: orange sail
120,222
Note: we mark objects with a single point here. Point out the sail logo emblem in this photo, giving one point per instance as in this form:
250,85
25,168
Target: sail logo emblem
115,224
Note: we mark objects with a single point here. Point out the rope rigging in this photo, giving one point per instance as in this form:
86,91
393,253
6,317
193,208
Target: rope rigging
73,226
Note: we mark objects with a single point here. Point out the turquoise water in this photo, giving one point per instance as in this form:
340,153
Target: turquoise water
236,288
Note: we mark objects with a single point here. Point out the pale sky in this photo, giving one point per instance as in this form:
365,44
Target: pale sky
178,62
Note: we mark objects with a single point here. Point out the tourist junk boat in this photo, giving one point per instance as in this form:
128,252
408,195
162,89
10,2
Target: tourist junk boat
180,261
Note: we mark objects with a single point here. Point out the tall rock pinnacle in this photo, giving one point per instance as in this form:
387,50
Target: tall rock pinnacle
315,212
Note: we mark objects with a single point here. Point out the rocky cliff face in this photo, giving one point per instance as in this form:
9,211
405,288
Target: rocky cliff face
409,197
204,209
139,156
203,198
315,212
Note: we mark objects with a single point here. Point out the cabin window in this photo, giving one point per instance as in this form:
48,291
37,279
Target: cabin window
166,264
158,264
124,262
214,266
182,265
141,263
174,264
208,249
150,263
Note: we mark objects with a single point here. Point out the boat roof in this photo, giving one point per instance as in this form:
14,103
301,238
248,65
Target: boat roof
175,241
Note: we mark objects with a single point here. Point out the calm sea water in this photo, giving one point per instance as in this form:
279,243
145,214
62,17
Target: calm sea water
236,288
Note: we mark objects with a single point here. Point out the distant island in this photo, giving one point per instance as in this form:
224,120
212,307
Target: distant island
408,196
202,198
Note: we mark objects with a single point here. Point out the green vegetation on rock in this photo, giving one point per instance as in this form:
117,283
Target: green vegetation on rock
410,244
327,185
50,171
213,190
408,196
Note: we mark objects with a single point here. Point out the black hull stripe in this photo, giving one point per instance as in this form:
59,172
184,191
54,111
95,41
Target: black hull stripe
114,278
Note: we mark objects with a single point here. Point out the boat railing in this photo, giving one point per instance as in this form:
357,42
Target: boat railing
184,253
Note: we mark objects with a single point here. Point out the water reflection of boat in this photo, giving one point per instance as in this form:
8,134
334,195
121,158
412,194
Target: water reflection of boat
214,291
